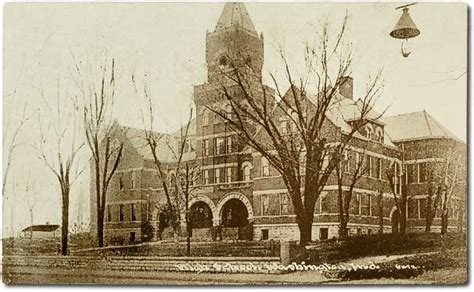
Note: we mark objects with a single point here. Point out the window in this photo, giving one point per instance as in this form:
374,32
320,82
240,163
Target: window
302,163
206,176
284,204
264,234
121,185
185,146
229,144
323,233
229,174
120,212
218,175
397,179
379,135
412,173
109,214
265,204
132,181
364,204
132,212
192,145
294,121
413,209
206,147
369,130
375,167
265,167
346,162
284,127
423,172
365,160
220,145
223,61
325,162
229,112
324,203
247,173
206,117
422,207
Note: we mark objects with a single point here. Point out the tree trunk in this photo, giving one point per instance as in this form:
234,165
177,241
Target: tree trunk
100,229
65,220
380,207
305,231
428,211
444,222
342,220
343,228
403,215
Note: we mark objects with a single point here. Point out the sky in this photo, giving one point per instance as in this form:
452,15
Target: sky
166,41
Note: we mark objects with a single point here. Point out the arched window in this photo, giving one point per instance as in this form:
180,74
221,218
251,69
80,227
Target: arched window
206,117
247,173
265,167
379,134
229,112
369,130
295,120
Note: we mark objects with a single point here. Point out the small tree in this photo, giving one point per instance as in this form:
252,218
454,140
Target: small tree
380,206
106,150
345,174
392,174
177,188
30,191
432,204
449,179
61,156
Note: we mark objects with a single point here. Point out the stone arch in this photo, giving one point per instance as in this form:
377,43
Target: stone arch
206,200
238,196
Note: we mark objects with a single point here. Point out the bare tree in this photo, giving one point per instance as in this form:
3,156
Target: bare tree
432,204
60,157
10,142
254,107
449,179
30,191
380,206
346,175
179,187
392,174
106,149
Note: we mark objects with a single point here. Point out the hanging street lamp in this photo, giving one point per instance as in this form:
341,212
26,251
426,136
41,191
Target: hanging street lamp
405,29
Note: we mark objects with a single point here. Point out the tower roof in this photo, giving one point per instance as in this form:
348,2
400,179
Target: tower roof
235,14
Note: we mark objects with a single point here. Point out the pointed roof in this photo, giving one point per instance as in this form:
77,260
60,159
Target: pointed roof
235,14
167,147
414,126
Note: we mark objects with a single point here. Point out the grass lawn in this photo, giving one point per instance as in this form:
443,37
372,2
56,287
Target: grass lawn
378,245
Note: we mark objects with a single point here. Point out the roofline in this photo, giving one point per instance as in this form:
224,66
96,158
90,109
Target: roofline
429,137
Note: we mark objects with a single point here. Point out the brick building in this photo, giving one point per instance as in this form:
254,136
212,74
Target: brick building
241,196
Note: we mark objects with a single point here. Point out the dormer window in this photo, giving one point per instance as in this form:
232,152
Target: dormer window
379,134
223,61
369,131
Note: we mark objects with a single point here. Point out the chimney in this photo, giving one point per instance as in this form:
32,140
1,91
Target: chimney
346,88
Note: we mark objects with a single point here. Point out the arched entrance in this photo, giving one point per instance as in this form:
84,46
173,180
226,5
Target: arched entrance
234,214
200,215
